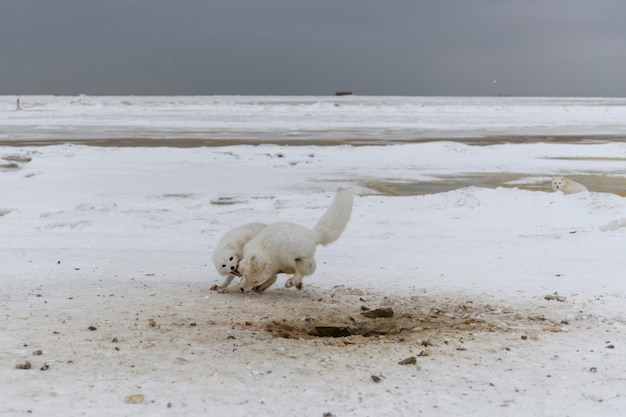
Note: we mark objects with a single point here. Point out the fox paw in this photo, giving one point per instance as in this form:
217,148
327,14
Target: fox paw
215,287
290,284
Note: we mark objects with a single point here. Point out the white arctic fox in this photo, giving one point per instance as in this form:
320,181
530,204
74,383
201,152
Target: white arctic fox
567,186
229,251
290,248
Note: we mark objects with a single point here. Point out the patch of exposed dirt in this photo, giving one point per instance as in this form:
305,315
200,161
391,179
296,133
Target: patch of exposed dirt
340,316
178,195
446,183
532,182
14,162
225,201
184,141
18,158
10,166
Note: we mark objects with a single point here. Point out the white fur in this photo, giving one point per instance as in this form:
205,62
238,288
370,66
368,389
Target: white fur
229,251
290,248
567,186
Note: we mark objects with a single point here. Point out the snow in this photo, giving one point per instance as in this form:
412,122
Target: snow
464,242
297,118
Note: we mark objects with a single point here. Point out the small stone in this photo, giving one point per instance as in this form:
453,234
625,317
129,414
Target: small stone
92,328
44,367
376,378
553,329
38,352
331,331
556,297
25,365
134,399
408,361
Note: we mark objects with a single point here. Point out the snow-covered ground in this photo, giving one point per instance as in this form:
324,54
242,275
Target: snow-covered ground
292,119
509,296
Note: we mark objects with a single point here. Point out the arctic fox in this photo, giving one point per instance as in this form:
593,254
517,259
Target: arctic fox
567,186
229,251
290,248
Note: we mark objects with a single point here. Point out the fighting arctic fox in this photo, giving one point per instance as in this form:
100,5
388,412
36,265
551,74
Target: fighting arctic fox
567,186
290,248
229,251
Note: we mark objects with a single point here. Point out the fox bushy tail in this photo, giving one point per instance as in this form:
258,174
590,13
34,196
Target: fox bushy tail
334,221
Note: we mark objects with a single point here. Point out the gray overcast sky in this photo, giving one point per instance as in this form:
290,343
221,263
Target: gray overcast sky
313,47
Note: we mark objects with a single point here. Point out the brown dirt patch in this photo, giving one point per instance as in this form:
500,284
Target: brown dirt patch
340,316
525,181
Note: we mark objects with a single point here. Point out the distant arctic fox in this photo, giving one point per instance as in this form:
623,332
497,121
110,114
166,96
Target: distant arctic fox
290,248
229,251
567,186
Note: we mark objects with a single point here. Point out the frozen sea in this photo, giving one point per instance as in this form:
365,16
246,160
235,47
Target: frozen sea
508,298
223,120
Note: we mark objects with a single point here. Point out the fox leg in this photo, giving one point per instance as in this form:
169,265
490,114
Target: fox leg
230,290
304,266
262,287
226,283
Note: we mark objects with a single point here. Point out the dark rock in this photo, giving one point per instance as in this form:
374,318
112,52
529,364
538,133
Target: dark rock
408,361
378,313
